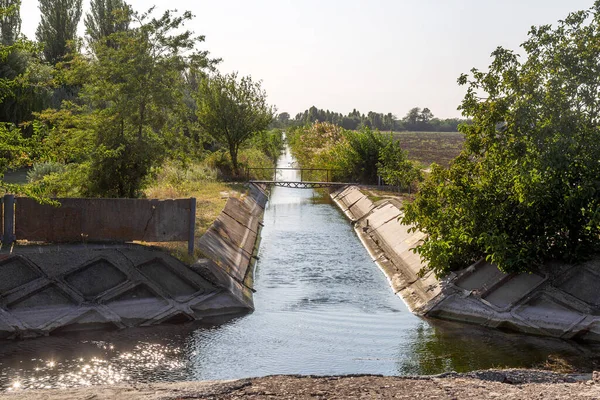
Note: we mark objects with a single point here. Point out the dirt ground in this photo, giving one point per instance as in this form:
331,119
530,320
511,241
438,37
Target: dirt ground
501,384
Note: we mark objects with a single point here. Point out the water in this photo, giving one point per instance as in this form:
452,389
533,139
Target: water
322,307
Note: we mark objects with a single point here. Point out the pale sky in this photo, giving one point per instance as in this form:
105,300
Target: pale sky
373,55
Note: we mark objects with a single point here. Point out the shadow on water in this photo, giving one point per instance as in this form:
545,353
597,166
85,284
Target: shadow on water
322,308
441,346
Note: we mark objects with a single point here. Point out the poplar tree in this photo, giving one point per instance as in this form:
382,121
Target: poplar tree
58,25
105,18
10,21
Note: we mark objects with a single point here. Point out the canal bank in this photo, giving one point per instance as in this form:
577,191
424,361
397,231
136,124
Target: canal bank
322,307
559,300
498,384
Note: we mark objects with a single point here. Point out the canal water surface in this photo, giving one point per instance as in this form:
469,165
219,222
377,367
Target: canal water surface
322,307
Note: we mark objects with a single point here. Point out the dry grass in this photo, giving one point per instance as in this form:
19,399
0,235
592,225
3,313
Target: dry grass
211,197
428,147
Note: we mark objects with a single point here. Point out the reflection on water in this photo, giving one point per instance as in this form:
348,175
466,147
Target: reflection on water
322,307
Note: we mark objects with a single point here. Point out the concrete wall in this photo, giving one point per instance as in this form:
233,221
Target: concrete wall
57,288
559,300
231,241
80,220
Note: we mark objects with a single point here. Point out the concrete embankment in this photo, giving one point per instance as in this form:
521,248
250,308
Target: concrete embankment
559,300
55,288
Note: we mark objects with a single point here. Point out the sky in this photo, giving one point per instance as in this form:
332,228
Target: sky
372,55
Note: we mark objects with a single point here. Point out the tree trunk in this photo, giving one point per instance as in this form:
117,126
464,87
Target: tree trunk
233,152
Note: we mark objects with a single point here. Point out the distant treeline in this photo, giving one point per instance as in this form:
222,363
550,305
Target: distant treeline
416,119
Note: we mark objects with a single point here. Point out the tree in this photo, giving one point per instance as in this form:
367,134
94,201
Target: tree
413,116
105,18
525,189
58,25
24,79
131,109
283,118
394,167
232,110
10,21
426,115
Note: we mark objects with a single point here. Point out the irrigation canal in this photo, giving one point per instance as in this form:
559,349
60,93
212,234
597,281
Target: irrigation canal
322,307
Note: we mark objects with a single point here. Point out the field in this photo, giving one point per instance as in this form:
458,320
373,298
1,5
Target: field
428,147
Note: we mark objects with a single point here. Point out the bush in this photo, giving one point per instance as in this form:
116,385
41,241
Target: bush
525,189
40,170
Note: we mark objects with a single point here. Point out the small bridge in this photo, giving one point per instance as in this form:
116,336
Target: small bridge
306,178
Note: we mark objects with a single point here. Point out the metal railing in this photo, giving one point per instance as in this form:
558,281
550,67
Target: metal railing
328,172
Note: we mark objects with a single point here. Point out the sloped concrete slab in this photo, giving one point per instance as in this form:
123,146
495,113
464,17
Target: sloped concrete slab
559,301
361,208
137,303
385,213
240,212
229,257
235,232
176,286
15,272
37,309
584,285
77,287
481,278
95,278
513,290
548,314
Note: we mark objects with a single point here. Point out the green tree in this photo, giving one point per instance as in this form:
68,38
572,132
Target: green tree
58,25
131,105
525,189
395,168
25,82
105,18
10,21
231,110
413,116
426,115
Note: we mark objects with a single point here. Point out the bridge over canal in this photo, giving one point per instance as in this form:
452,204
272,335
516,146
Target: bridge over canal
306,178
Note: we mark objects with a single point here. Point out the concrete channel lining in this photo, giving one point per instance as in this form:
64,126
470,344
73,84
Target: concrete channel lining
56,288
559,300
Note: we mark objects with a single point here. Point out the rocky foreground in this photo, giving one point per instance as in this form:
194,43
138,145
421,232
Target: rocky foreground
492,384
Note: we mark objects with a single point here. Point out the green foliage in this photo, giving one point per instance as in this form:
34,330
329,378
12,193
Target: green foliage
415,120
232,110
25,82
525,189
10,21
395,168
176,173
40,170
128,117
58,25
13,147
220,160
269,142
355,156
105,18
363,154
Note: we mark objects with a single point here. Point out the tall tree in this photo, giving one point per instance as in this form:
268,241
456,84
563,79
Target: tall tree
24,79
133,104
426,115
58,25
525,190
10,21
413,116
105,18
232,110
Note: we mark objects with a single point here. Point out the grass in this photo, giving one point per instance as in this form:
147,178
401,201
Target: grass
210,195
429,147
